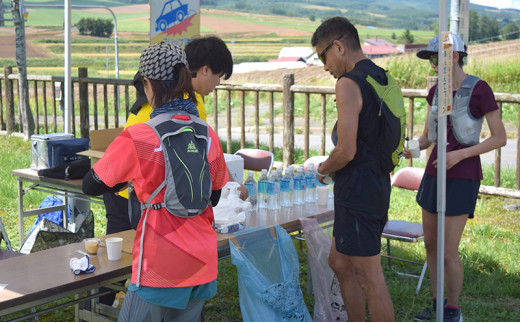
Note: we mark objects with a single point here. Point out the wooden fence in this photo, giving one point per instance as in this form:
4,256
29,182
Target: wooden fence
105,103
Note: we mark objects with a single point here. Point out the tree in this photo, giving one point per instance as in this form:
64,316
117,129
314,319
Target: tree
489,28
95,27
474,31
511,31
21,64
407,37
312,18
109,27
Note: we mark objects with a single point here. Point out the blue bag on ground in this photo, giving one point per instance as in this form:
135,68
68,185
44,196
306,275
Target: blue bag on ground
268,276
55,216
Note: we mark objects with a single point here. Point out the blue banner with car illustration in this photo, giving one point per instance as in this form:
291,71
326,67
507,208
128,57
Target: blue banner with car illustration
174,21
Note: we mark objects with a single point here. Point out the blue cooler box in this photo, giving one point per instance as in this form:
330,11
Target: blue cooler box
50,150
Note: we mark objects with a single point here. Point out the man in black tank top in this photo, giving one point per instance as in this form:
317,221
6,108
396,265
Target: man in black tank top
361,192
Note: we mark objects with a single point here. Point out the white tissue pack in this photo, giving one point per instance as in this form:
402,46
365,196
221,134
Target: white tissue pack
230,213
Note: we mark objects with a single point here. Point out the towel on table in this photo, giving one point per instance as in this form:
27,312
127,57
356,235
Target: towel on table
81,265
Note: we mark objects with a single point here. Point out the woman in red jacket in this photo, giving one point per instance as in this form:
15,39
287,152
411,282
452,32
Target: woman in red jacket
175,259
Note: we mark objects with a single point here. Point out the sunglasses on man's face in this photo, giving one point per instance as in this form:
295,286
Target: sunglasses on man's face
322,55
434,60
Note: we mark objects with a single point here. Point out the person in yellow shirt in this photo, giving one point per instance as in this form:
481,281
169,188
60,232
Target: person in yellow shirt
209,60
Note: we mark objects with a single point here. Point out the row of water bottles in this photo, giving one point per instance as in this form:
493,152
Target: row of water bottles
283,190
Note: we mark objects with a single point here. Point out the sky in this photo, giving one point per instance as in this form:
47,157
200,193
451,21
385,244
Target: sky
498,3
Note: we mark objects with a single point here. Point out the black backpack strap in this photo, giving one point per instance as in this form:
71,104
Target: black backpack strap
360,79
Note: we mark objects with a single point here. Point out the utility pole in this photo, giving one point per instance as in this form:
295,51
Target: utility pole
67,69
21,63
459,20
464,21
2,23
454,16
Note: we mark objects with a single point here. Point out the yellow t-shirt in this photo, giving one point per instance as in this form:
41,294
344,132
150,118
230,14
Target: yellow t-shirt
143,115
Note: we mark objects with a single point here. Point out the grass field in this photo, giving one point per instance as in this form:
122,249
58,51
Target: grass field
489,247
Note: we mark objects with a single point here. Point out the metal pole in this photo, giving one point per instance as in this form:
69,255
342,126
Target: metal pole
67,68
441,165
2,21
115,41
106,51
455,16
87,7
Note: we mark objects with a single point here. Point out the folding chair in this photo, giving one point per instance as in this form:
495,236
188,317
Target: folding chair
407,178
257,159
3,235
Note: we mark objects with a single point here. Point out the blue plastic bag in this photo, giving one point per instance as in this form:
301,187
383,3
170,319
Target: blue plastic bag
268,276
56,216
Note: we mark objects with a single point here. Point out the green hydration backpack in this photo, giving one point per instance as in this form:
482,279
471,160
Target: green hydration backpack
392,137
185,145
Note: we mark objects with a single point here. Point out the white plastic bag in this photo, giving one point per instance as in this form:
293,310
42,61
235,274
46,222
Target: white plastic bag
328,303
230,212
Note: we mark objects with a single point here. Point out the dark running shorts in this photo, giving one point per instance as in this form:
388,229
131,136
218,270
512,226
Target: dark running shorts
461,195
358,233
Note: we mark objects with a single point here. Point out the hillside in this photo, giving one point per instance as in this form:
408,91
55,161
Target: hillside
380,13
251,37
496,51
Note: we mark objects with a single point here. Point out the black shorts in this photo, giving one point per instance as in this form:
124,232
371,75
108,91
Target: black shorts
461,195
358,233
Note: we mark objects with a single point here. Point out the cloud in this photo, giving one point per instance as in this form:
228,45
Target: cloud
501,4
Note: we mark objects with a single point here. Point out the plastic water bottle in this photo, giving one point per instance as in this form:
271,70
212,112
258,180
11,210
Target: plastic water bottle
250,183
262,189
299,188
291,178
302,169
272,193
277,187
310,184
285,189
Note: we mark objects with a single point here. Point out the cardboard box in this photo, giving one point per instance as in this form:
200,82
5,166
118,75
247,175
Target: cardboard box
40,149
99,141
235,165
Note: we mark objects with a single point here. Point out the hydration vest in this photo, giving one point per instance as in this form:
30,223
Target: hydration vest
391,119
187,176
466,128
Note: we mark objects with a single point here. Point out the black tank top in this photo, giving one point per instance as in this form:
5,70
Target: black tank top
359,185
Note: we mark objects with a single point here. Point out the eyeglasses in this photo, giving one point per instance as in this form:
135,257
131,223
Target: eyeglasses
322,55
434,59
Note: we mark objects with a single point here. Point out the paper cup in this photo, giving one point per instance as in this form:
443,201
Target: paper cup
91,245
323,195
114,246
413,147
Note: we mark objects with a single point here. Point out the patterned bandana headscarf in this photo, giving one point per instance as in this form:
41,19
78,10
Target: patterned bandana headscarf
158,61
